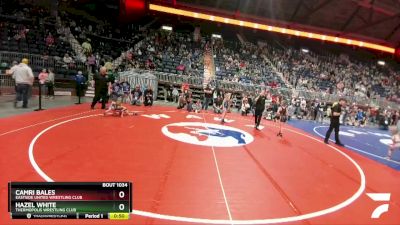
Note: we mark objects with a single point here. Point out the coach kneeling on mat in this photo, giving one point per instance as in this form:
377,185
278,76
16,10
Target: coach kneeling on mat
336,110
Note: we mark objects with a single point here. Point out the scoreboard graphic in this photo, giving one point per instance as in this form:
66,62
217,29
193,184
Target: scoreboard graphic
70,200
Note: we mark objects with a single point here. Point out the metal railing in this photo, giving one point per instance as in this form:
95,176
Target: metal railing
374,101
38,61
141,78
6,81
198,83
286,92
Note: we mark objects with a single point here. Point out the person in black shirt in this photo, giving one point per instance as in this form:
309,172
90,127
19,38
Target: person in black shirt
250,100
148,96
259,108
100,88
336,111
281,116
208,94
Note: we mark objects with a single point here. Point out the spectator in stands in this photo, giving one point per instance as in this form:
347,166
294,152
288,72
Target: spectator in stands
149,65
45,58
24,80
87,47
68,61
91,62
148,96
185,86
49,40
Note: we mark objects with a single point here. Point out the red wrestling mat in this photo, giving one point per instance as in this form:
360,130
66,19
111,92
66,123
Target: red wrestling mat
187,168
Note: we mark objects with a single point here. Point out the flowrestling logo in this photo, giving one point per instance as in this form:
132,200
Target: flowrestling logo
207,134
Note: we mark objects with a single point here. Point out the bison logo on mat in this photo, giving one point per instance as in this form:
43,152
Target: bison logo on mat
207,134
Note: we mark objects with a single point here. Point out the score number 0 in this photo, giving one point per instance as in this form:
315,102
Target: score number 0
121,206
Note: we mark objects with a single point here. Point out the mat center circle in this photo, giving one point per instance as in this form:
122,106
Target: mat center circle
207,134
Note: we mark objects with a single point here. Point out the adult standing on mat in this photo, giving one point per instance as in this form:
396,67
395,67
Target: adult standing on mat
208,94
336,111
100,88
259,108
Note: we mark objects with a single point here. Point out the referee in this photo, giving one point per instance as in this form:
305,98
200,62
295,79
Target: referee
336,110
259,108
100,88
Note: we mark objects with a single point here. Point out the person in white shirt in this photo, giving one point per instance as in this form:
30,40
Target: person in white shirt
24,78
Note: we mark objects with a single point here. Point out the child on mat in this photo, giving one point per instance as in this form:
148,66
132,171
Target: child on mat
281,114
225,106
116,108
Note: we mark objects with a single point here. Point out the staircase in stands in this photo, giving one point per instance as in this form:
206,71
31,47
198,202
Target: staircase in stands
209,66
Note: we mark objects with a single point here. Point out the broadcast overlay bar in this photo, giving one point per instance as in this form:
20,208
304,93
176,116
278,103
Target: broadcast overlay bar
70,200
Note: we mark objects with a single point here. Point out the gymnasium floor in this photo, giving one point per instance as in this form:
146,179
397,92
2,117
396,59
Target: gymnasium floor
187,168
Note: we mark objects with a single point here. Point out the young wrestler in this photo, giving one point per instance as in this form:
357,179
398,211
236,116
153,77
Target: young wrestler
396,141
116,108
281,116
226,105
